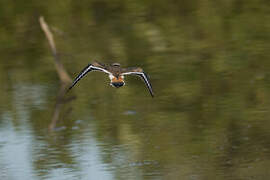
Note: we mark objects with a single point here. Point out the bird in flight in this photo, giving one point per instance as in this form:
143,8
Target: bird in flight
116,74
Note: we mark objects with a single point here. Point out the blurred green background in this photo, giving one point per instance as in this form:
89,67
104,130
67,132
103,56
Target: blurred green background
209,65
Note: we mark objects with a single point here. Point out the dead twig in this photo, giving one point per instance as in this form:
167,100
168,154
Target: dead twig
63,75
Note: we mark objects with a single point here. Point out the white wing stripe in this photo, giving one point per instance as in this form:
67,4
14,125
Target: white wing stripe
84,72
87,69
101,69
145,79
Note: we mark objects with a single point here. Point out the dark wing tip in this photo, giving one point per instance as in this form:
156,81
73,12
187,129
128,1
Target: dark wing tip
139,72
152,94
80,75
70,87
148,83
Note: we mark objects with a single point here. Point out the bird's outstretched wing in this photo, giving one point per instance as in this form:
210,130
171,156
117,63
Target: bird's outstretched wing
139,72
90,67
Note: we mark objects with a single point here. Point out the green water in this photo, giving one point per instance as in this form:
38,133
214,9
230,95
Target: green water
209,64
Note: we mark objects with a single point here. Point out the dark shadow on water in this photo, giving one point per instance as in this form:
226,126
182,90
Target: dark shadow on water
60,101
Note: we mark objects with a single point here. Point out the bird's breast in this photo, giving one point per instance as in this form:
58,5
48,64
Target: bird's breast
117,81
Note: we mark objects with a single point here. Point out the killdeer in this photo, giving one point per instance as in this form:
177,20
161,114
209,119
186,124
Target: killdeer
116,74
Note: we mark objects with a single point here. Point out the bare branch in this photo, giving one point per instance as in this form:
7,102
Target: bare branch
63,75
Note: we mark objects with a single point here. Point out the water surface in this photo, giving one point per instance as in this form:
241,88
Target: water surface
209,67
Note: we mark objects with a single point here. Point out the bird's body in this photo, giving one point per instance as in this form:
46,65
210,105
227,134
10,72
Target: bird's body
116,74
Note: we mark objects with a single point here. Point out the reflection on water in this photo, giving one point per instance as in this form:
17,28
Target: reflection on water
19,154
209,67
